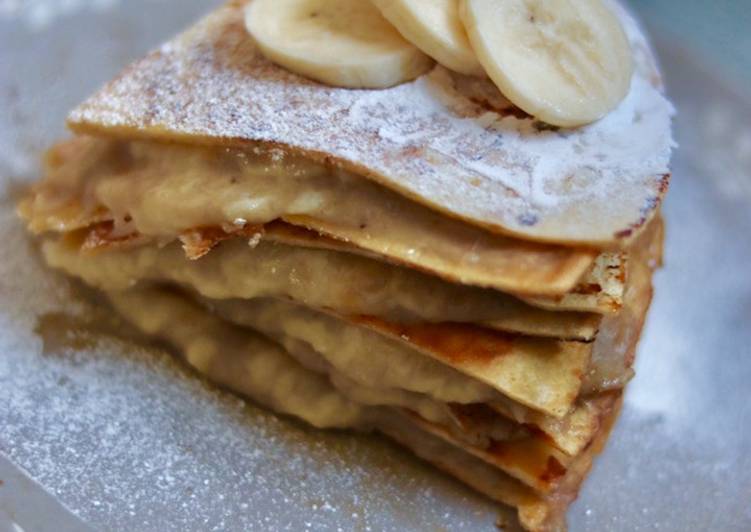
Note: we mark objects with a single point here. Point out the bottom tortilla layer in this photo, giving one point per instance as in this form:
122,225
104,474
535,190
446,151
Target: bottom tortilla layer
254,366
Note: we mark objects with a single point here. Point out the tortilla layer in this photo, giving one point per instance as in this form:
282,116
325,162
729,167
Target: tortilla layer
450,142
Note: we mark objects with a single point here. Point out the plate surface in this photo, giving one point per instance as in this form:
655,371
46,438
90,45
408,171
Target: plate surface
127,439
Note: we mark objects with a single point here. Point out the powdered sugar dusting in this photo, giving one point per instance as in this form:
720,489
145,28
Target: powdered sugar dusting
537,157
39,14
450,141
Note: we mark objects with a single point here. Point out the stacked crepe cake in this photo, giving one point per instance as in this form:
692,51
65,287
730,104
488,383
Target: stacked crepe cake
456,253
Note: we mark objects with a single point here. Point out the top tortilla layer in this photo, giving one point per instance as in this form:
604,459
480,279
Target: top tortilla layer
445,140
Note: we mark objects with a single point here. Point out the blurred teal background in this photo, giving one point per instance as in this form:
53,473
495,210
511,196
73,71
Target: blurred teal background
719,31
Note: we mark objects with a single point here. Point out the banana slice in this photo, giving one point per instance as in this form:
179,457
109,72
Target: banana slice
436,29
566,62
346,43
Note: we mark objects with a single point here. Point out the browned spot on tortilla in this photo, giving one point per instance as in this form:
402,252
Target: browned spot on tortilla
506,110
102,235
553,472
531,456
537,432
649,207
199,241
577,373
196,242
453,342
466,414
622,276
587,288
412,151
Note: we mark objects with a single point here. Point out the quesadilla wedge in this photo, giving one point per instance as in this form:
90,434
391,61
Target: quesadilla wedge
426,260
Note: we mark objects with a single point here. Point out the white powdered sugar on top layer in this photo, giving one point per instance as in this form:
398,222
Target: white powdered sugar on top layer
445,140
540,156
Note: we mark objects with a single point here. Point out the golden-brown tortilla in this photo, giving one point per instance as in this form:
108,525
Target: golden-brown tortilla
541,373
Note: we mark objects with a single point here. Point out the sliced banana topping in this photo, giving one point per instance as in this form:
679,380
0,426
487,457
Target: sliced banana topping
435,28
345,43
566,62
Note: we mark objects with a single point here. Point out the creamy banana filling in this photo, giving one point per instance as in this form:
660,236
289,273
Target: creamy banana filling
163,190
245,362
540,374
370,369
293,382
372,393
317,278
262,370
364,356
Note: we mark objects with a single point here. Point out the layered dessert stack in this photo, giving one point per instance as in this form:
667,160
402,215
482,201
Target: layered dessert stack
427,260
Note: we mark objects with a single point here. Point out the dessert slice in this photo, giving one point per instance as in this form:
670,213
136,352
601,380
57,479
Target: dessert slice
426,260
